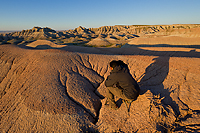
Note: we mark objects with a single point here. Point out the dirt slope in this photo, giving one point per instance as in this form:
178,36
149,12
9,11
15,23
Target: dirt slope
63,90
109,36
44,44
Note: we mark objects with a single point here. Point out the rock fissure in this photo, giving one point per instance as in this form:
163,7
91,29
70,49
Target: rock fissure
75,101
57,93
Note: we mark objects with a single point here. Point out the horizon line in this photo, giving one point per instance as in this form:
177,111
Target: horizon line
103,26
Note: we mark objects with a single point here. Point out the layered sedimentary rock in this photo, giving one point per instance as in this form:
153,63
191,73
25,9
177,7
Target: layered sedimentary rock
119,34
53,90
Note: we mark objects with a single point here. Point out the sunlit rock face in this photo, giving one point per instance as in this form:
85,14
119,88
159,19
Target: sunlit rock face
111,36
62,90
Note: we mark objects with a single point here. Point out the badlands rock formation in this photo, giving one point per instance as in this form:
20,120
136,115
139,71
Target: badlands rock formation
53,86
62,91
112,36
44,44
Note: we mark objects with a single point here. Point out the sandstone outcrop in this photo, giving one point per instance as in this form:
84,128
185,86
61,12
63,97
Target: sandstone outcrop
44,44
53,90
48,84
119,34
176,38
99,42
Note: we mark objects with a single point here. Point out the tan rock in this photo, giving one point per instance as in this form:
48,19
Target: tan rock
166,41
44,44
99,42
62,90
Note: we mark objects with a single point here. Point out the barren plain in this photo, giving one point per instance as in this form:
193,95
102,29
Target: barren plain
53,81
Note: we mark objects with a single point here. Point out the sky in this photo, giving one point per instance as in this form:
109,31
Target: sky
70,14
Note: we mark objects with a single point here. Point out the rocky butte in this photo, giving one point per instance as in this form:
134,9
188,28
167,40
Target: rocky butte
53,81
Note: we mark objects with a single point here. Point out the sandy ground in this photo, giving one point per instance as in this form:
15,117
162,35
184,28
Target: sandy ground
48,87
62,90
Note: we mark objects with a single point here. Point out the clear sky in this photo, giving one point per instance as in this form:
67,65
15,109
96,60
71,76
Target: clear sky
69,14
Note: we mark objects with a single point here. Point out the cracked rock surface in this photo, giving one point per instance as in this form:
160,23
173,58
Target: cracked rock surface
60,91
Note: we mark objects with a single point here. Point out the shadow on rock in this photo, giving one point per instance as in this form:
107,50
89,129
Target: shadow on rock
152,80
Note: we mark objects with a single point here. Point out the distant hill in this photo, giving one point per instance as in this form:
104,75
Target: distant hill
1,32
114,35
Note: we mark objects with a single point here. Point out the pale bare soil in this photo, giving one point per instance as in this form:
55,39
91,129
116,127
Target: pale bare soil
51,87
